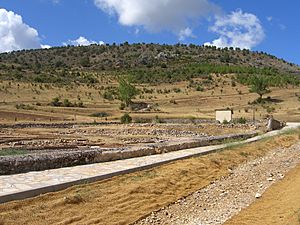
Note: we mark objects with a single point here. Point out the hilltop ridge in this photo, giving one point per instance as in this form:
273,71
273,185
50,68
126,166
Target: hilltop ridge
59,64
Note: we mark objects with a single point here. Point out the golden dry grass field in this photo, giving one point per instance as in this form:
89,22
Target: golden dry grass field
188,103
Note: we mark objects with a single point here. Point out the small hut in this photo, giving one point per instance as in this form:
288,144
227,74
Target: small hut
224,115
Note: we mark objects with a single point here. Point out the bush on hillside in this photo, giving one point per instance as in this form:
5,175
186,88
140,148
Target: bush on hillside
126,119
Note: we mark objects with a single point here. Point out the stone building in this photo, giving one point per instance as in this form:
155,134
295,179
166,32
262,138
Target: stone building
224,115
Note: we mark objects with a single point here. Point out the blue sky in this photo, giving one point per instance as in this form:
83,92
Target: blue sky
268,25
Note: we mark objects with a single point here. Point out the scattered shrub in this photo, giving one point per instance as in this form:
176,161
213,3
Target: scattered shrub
177,90
241,120
270,109
56,102
80,104
199,88
66,103
100,114
173,101
25,107
225,122
157,120
122,106
108,95
126,119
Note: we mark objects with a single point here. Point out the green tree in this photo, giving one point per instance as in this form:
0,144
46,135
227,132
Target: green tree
260,86
127,91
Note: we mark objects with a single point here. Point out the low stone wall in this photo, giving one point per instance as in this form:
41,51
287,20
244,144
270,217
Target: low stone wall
42,160
187,121
52,125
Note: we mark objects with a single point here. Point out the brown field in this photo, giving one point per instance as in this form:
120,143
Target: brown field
125,199
279,205
189,103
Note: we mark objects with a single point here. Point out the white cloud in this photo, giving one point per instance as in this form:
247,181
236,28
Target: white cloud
156,15
186,33
46,46
15,34
269,18
82,41
238,29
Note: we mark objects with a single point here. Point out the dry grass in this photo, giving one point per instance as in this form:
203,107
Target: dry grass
190,103
280,205
125,199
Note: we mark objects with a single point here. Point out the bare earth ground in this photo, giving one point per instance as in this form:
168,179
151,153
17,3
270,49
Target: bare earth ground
280,205
126,199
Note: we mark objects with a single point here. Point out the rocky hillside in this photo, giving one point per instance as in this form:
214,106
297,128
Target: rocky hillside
171,62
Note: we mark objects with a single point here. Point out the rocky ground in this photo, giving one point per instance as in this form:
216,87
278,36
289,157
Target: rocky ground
226,197
24,149
21,160
108,135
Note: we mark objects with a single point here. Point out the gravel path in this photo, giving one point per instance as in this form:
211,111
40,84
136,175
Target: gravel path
228,196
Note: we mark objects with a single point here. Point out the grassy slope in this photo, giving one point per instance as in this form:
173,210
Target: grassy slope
70,75
189,102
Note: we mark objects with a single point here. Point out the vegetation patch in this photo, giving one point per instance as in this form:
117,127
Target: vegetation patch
100,114
25,106
126,119
241,120
65,103
144,63
12,152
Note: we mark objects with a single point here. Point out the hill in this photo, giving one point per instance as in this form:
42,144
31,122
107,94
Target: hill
180,81
145,63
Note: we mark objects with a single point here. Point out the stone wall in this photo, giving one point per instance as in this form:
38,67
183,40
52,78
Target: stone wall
44,160
52,125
